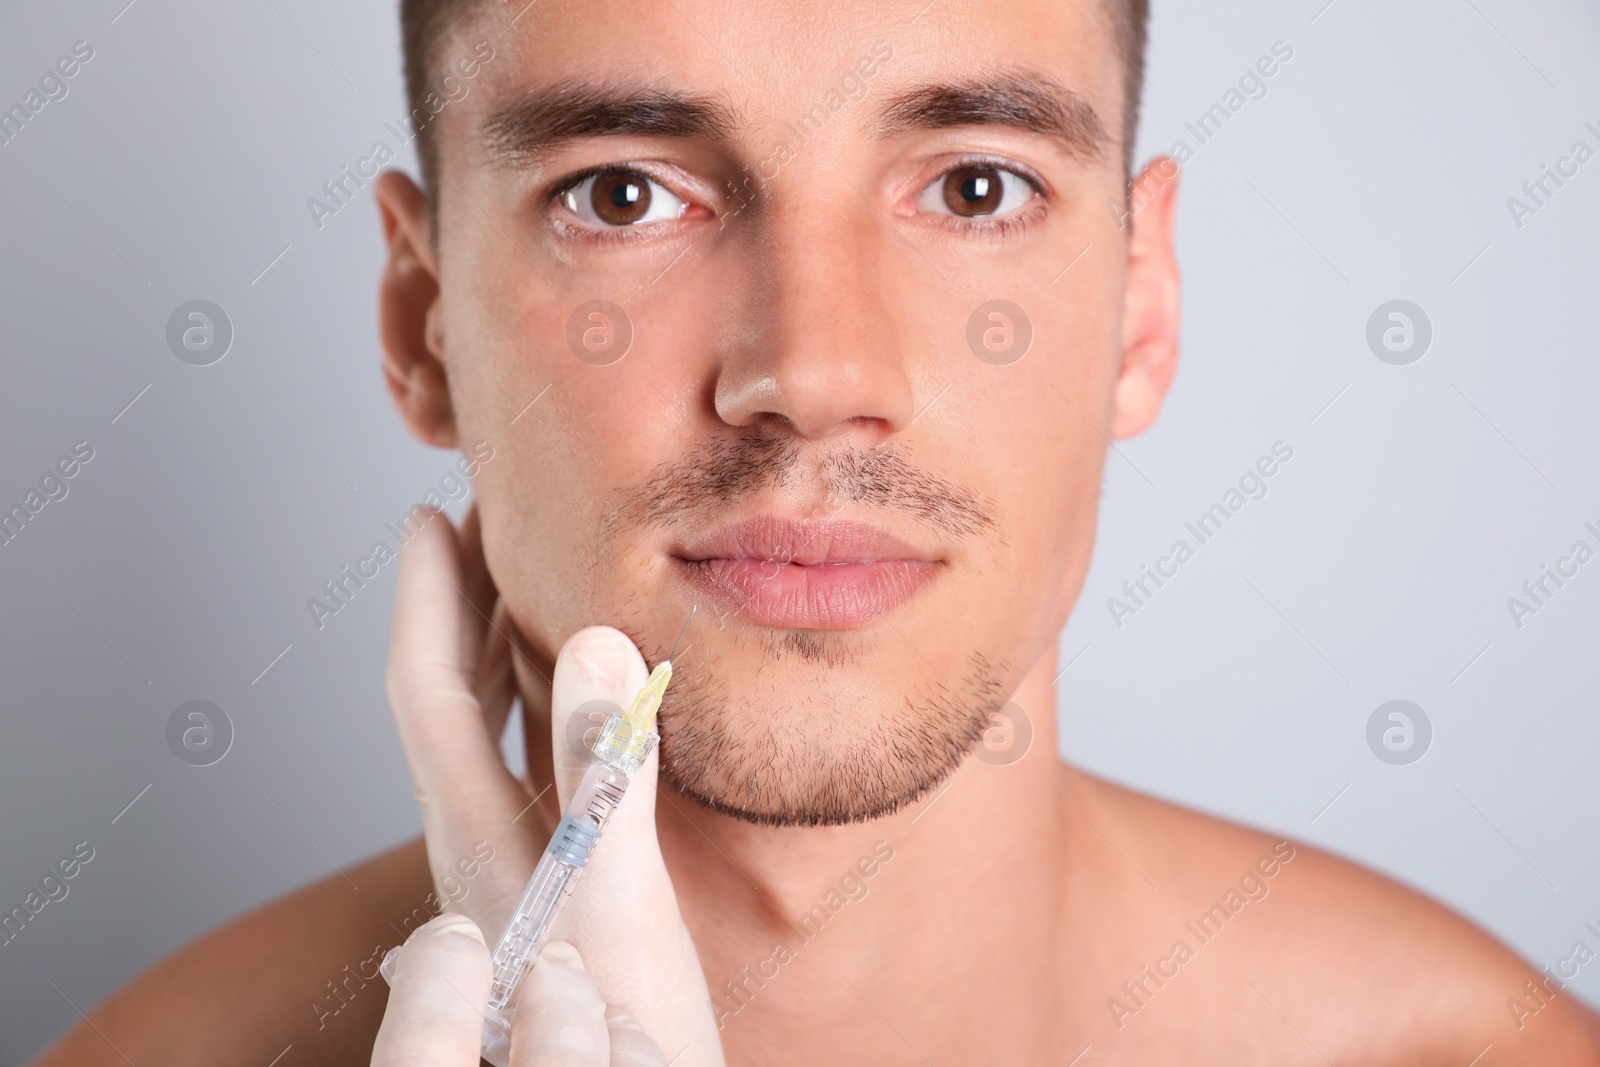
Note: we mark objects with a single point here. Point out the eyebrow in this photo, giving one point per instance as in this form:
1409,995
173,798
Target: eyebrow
547,116
1026,100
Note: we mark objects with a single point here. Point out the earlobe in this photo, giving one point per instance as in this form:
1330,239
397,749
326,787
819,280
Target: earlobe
408,314
1151,304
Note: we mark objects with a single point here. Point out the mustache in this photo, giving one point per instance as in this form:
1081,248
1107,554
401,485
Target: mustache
724,472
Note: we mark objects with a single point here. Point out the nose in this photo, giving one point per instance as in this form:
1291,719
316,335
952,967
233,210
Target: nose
822,353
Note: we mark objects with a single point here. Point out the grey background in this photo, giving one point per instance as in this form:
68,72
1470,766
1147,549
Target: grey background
1419,498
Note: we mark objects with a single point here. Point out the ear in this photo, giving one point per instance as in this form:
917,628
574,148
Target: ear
1151,305
408,314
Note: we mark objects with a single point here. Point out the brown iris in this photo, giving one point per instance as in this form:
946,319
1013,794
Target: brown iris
620,197
973,190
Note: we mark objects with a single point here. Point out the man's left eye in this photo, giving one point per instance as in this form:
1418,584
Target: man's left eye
616,198
976,192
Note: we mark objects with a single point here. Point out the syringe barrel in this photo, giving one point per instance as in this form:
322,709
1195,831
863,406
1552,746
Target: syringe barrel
564,859
529,929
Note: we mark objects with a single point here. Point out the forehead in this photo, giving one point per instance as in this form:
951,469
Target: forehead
767,63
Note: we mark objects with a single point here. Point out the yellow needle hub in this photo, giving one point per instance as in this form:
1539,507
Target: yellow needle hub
627,740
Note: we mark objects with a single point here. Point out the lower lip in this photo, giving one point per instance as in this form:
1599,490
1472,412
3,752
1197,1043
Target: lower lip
821,596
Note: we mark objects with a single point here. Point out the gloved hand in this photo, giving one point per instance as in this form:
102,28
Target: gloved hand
440,987
450,688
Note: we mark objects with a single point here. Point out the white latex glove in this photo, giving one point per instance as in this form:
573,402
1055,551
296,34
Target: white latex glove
440,988
450,688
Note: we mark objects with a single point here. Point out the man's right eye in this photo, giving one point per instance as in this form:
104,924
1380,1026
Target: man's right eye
620,197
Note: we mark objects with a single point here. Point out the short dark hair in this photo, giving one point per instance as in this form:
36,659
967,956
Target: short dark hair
1130,32
427,27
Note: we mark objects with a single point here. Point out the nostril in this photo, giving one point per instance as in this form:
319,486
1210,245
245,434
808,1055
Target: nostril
748,399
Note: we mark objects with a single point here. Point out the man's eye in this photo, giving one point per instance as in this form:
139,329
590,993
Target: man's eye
621,198
977,191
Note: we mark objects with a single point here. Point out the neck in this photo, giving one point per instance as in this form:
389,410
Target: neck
906,909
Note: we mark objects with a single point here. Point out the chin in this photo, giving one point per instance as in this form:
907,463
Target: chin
797,742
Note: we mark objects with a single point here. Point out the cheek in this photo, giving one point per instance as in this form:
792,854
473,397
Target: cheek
1050,499
1037,430
548,498
595,428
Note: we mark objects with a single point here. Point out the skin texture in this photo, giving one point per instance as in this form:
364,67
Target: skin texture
828,312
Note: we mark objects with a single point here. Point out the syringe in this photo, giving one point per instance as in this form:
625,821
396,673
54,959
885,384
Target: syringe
624,744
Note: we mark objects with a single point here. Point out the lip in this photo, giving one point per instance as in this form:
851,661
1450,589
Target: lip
807,574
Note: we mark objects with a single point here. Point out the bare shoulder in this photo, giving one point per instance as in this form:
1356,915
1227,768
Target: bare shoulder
299,973
1342,961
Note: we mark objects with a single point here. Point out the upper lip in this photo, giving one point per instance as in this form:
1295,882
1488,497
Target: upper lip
807,542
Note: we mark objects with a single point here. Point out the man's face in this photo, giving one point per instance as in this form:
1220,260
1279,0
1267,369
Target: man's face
796,210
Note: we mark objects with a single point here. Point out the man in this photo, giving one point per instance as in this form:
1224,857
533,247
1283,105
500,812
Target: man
813,315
